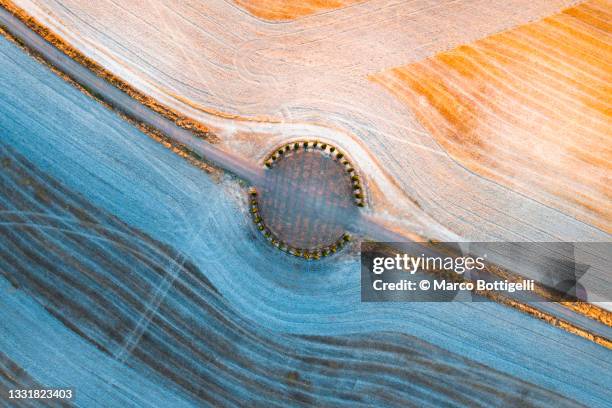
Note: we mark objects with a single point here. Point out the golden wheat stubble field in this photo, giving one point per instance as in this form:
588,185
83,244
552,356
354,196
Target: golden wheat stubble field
488,128
467,120
529,108
258,82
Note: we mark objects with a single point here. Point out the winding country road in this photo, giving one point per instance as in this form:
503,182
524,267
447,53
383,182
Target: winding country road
124,103
129,106
239,166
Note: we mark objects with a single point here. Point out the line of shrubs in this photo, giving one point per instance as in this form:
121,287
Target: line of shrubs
335,153
316,253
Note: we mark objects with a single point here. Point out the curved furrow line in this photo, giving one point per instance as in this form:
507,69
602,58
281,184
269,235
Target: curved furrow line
255,327
202,337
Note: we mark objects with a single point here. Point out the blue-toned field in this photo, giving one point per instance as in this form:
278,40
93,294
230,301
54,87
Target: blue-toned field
136,279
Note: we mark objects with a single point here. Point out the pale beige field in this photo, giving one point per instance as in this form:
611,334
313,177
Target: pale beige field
281,10
259,83
530,108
